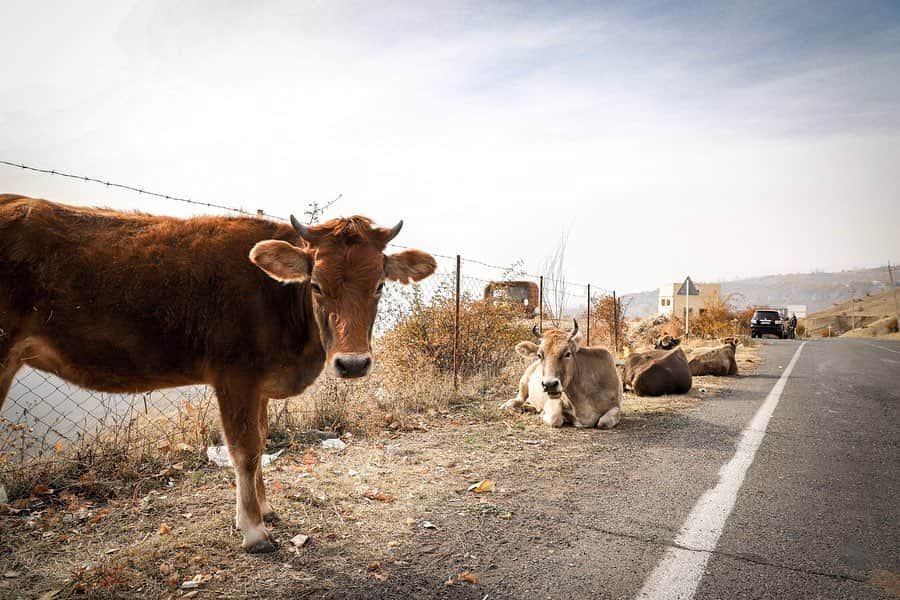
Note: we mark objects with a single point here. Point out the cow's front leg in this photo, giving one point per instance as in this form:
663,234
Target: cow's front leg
239,406
265,508
519,402
552,413
609,419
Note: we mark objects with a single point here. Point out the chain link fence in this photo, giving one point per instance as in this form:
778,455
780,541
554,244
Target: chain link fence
446,339
450,336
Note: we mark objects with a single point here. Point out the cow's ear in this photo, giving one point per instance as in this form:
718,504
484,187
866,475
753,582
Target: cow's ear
527,349
409,265
282,261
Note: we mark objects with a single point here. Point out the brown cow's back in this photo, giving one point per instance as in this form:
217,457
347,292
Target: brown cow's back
127,301
657,372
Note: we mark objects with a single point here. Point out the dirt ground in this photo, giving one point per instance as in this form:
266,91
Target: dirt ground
390,516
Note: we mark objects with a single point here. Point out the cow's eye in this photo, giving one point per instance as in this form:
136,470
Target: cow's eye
380,288
316,289
540,354
568,354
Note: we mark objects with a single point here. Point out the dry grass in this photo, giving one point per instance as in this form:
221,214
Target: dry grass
362,506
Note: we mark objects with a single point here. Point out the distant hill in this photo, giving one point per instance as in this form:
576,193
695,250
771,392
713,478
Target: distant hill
816,290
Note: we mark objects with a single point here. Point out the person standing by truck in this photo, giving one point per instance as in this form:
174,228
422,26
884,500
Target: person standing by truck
793,329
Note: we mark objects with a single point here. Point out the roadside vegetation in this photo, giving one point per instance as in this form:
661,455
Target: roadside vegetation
139,511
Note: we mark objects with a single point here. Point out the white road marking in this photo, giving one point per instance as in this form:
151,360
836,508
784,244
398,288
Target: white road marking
883,348
679,572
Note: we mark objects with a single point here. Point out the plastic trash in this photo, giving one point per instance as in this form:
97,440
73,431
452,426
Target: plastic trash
219,455
333,444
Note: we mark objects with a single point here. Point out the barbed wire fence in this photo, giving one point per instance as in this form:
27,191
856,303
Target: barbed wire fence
472,311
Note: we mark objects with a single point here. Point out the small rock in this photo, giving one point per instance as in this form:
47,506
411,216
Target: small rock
702,390
4,499
189,585
352,473
428,525
299,540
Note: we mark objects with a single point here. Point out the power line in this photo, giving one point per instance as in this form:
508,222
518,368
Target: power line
313,210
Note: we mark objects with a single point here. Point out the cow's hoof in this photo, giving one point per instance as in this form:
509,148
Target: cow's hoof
262,547
271,517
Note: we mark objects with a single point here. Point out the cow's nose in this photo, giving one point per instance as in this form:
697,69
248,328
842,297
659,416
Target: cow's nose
550,384
347,366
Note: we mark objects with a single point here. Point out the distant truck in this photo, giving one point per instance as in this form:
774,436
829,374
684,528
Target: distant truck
524,293
769,321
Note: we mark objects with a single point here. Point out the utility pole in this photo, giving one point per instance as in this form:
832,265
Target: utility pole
852,319
894,294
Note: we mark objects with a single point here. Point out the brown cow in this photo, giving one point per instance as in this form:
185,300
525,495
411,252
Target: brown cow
666,342
127,302
657,372
718,360
568,382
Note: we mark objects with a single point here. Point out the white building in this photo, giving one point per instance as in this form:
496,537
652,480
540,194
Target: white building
670,304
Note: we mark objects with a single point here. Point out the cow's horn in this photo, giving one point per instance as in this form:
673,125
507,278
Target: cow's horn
535,331
394,231
302,229
574,331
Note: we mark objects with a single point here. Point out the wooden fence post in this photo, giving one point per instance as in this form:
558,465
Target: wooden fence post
456,333
589,315
541,309
615,324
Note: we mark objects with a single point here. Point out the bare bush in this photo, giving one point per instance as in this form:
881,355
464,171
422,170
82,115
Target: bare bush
608,314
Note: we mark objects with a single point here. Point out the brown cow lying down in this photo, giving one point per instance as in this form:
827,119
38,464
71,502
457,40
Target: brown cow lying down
657,372
127,302
569,383
715,361
666,342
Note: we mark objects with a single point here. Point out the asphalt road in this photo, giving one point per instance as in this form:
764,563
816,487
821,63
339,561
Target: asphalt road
815,513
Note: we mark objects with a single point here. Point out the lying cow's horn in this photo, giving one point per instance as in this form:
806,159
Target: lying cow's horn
394,231
302,229
574,331
536,331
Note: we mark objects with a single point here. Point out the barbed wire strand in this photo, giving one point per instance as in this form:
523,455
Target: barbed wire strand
314,205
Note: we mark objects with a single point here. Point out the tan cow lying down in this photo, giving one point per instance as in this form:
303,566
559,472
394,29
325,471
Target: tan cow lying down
569,383
718,360
657,372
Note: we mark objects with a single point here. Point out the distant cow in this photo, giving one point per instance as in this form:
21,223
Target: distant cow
568,382
128,302
666,342
717,360
657,372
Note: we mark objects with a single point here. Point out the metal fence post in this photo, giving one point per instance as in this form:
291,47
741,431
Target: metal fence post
541,309
615,323
456,332
589,316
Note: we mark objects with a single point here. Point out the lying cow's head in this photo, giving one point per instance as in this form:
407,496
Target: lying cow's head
557,355
343,267
666,342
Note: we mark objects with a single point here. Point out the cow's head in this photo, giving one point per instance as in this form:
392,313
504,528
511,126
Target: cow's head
731,341
343,268
556,352
666,342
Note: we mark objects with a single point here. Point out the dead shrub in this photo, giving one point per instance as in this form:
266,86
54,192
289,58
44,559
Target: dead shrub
605,312
422,342
718,319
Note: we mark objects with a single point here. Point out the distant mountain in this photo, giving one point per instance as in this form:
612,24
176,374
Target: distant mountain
816,290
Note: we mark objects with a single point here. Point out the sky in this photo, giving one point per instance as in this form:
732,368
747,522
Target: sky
717,140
